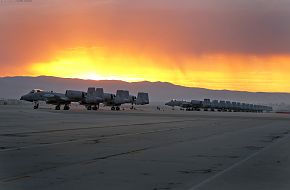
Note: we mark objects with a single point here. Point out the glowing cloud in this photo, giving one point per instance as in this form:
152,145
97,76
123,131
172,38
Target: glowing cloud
258,73
225,44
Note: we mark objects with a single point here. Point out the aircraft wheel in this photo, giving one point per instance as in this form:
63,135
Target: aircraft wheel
66,107
117,108
95,108
57,107
89,108
113,108
36,105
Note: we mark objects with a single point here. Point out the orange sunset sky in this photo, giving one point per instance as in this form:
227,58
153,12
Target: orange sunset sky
216,44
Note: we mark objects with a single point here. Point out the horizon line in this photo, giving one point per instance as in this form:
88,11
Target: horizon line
141,82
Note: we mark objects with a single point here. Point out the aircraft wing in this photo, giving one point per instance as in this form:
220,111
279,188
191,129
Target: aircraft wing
56,98
185,105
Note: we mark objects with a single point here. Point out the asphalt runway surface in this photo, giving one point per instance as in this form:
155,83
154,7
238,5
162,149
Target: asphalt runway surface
142,150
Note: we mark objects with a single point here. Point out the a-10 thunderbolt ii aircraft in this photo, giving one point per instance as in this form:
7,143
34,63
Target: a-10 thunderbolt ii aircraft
178,103
122,97
95,96
49,97
192,105
222,106
90,99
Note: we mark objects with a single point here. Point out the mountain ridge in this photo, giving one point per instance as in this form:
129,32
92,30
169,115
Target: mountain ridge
15,86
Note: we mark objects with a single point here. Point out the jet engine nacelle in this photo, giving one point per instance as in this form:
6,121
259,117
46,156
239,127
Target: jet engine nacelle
75,95
93,100
142,98
108,97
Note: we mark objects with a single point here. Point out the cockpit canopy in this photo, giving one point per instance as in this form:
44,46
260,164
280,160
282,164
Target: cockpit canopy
35,91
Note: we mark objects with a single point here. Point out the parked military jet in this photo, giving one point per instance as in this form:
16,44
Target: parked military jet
123,97
176,103
142,98
51,97
194,104
95,96
90,99
224,106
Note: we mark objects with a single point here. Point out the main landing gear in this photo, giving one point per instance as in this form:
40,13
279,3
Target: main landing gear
95,107
117,108
57,107
66,107
132,107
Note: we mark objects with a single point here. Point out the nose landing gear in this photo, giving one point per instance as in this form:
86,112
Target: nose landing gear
36,105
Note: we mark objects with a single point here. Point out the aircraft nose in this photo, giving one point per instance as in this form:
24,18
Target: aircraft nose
24,97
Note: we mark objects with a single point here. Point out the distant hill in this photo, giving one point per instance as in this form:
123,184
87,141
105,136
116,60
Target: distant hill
14,87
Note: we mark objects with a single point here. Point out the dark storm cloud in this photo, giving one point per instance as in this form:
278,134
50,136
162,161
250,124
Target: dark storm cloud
34,31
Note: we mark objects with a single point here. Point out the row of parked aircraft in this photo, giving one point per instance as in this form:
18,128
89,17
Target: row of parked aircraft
90,99
225,106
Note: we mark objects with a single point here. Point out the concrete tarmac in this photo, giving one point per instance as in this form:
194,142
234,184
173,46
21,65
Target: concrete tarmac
142,149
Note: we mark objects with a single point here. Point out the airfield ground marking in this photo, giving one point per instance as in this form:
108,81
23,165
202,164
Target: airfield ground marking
100,138
93,160
111,137
208,180
94,127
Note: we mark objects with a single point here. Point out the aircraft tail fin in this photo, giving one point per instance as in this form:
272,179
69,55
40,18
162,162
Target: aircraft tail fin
122,96
100,92
142,98
94,96
91,91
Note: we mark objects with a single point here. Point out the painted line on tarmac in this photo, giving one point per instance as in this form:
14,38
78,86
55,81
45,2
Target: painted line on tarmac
208,180
88,139
95,127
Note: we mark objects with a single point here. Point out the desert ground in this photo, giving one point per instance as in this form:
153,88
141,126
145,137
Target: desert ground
142,149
